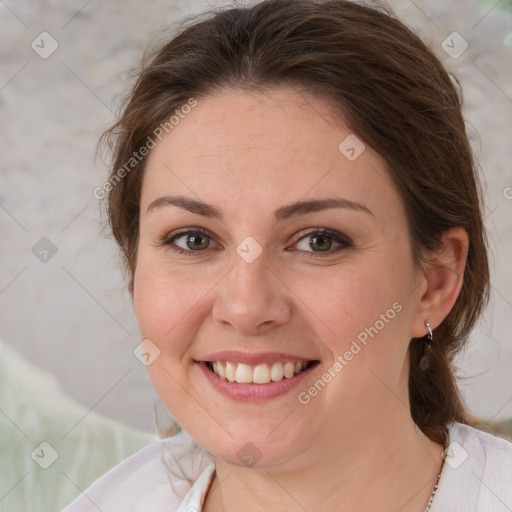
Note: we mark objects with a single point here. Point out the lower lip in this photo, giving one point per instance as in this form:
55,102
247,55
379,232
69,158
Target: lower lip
254,392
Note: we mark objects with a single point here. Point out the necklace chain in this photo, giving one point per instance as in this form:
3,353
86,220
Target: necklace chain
432,494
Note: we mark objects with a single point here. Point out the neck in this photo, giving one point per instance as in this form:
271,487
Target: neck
384,466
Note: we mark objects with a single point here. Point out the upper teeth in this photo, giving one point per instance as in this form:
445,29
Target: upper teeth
259,374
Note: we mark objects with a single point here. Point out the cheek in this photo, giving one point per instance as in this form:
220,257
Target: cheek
345,303
167,306
164,303
364,313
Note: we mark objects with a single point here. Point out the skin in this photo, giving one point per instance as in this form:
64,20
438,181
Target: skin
250,153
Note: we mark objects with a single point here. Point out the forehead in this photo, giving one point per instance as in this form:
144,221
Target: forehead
250,149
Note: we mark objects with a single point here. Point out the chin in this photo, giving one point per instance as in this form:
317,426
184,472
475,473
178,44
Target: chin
254,443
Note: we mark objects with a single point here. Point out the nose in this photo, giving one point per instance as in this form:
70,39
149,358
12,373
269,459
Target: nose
251,299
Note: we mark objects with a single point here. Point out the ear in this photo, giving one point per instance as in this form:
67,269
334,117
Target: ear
443,276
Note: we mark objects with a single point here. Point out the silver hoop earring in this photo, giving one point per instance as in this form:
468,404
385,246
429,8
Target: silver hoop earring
430,334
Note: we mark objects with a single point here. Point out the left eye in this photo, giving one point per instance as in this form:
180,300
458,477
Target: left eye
322,241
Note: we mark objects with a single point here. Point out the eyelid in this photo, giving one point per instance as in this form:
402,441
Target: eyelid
340,237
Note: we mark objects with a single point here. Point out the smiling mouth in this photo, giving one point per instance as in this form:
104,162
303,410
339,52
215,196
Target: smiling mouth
242,373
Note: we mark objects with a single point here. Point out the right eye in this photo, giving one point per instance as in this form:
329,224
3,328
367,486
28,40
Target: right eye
192,240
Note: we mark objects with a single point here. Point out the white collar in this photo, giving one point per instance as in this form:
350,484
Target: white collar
194,499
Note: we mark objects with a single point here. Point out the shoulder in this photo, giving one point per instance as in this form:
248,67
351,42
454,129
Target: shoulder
494,454
155,478
490,443
477,472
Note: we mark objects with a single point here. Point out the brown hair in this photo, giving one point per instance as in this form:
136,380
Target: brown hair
390,90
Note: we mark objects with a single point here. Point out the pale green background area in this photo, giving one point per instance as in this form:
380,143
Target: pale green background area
71,319
82,444
501,5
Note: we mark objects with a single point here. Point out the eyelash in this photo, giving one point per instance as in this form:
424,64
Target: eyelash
337,237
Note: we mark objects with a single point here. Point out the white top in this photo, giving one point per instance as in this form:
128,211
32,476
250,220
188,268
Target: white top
174,474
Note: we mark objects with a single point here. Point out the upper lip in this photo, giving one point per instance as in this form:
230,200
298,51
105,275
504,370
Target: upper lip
236,356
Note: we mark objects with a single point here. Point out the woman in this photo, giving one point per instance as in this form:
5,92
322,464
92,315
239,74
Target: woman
296,202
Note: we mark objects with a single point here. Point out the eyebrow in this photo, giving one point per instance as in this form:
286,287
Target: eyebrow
297,208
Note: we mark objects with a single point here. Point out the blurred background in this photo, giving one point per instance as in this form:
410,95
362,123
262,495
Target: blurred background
74,398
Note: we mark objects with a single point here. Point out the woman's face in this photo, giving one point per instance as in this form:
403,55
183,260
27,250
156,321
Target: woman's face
261,285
